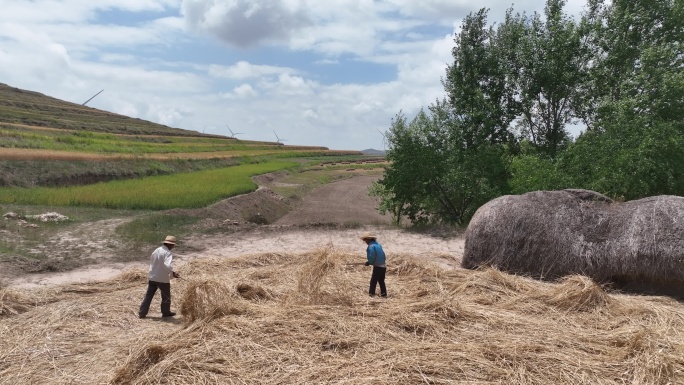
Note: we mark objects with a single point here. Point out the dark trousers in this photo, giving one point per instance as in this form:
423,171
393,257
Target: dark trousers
378,277
165,289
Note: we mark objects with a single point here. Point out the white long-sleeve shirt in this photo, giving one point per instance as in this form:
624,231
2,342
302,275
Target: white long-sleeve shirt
160,265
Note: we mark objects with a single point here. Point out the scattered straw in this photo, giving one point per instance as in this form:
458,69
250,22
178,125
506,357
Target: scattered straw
134,368
205,299
296,319
577,293
14,302
250,292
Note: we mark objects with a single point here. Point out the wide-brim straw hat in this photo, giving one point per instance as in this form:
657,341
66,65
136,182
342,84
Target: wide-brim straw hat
170,239
368,235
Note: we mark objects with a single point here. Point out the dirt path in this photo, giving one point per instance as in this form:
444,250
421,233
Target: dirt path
342,202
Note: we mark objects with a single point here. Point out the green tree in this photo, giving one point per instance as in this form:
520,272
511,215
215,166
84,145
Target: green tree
552,62
511,92
403,188
529,172
632,147
636,48
434,175
476,84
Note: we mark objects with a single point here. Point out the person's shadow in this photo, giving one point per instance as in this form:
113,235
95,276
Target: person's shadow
171,320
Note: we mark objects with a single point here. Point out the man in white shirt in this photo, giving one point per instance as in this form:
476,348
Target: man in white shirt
159,277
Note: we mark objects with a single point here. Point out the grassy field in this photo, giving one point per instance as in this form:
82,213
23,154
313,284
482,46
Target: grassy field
30,108
190,190
20,136
46,142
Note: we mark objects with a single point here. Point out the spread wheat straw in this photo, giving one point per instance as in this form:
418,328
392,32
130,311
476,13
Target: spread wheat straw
298,319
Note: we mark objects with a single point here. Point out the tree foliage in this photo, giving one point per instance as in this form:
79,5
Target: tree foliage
513,90
435,174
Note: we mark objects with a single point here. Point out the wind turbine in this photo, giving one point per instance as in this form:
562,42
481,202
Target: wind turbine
232,134
93,97
384,140
278,140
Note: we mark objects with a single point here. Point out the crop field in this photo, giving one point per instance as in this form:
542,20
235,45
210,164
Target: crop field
185,190
47,142
91,142
31,154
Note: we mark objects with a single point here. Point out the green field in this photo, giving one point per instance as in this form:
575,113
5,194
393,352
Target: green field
57,153
12,136
183,190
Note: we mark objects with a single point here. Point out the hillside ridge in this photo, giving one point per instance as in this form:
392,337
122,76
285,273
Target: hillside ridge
31,108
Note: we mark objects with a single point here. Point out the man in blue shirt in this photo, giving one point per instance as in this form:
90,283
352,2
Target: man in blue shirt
375,257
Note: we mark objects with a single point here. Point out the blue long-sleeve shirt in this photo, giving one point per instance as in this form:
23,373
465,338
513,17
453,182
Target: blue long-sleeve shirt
375,255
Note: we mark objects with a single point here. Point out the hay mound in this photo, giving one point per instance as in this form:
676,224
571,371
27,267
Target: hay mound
14,302
320,279
577,293
253,293
207,300
137,366
552,234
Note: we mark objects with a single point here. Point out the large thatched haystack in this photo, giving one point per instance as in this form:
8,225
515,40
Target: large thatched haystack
550,234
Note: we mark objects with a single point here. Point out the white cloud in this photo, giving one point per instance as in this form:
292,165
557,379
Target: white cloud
244,70
47,11
117,58
310,114
441,10
244,91
66,52
60,52
326,61
164,115
244,23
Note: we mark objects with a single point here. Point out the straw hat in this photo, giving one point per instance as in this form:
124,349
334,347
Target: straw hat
170,239
368,235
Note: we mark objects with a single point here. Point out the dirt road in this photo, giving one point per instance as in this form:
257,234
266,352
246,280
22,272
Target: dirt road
344,202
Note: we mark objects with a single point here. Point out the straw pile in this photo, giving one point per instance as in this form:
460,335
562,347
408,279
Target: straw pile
551,234
295,319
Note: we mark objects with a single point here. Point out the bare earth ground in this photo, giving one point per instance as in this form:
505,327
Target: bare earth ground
315,223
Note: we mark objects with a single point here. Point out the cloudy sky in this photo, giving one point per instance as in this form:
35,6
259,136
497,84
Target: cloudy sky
329,73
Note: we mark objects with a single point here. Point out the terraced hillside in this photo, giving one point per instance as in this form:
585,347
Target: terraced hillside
49,142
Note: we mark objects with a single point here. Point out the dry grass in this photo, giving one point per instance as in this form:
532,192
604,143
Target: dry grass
209,299
37,154
15,302
552,234
295,319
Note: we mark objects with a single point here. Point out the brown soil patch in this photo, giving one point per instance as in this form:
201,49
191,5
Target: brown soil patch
341,202
336,213
262,206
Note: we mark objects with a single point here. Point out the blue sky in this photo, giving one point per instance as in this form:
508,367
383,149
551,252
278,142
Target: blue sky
328,73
